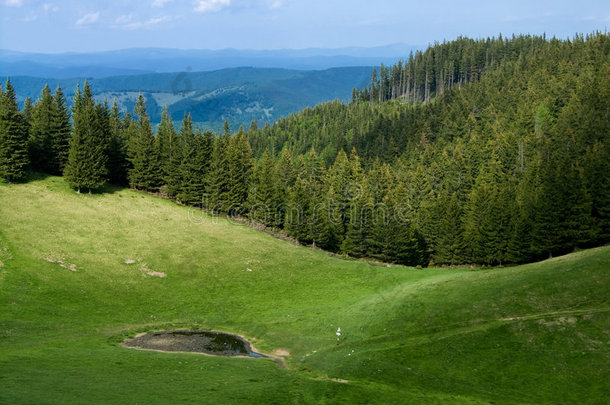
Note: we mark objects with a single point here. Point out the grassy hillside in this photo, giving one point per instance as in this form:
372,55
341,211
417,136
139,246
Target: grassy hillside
530,334
238,95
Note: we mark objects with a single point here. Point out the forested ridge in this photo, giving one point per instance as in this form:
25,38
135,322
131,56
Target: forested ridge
475,151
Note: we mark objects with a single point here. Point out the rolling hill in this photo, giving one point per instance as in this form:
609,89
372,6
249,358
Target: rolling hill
78,274
238,95
163,60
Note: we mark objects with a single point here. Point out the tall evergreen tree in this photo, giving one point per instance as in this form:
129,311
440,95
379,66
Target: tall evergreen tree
40,137
262,203
13,137
61,131
598,186
487,216
166,136
117,148
28,109
218,176
239,159
86,165
194,164
297,208
145,173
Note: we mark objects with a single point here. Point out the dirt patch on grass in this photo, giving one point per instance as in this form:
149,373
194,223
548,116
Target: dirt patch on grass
562,320
61,261
282,352
157,274
5,254
145,270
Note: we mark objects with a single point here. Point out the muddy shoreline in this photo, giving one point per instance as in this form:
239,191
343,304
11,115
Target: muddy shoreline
207,342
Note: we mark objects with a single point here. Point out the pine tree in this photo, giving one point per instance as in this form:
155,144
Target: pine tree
40,137
361,213
28,110
451,245
194,164
105,135
13,137
146,171
239,159
339,179
598,186
297,207
488,213
401,242
61,131
173,157
262,203
86,165
218,177
328,222
166,136
117,148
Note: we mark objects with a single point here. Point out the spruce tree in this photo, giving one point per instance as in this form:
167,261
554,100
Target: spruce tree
173,160
297,208
357,232
105,134
330,230
400,241
117,148
239,159
61,131
145,173
194,164
451,246
598,186
86,165
166,136
262,203
487,214
218,176
28,109
40,137
13,137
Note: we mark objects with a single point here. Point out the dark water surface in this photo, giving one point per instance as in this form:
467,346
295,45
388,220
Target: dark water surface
196,341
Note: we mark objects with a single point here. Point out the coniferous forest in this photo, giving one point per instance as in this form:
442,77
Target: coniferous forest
490,152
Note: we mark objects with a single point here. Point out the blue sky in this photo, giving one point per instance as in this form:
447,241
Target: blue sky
53,26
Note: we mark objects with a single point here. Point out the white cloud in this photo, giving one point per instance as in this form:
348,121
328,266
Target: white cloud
50,7
204,6
88,18
126,22
160,3
123,19
13,3
276,4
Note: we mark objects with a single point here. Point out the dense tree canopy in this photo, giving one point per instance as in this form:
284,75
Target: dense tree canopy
475,151
13,137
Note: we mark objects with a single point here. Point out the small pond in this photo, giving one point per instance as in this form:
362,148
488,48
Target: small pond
196,341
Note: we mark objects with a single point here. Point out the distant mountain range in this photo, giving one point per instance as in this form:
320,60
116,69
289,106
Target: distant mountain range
238,95
161,60
212,85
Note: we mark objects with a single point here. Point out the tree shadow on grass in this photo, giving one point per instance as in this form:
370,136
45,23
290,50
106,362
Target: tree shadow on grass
105,189
36,176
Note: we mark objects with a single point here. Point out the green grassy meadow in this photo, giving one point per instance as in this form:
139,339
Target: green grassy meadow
537,333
